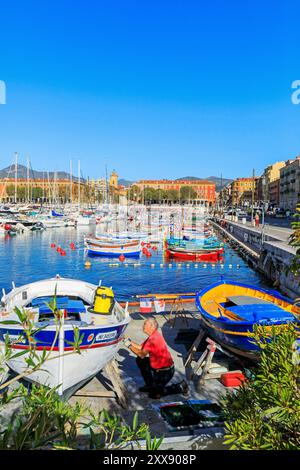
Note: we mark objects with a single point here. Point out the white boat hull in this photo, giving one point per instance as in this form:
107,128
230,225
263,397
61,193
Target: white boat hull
77,368
65,367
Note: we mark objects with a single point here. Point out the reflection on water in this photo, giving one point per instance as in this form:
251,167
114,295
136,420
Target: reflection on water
28,257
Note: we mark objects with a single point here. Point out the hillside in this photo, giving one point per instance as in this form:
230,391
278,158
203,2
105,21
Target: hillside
9,172
215,179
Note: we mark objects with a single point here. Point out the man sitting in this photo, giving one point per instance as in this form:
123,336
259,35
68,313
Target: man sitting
155,363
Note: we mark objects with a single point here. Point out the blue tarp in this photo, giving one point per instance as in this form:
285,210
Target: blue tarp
258,312
63,303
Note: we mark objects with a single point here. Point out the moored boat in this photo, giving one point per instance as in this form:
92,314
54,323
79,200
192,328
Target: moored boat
230,310
193,251
100,321
113,248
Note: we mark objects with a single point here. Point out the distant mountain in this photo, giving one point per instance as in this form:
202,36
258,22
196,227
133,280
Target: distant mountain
125,183
9,172
220,183
189,178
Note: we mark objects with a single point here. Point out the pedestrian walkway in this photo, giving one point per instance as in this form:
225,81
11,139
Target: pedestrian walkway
279,233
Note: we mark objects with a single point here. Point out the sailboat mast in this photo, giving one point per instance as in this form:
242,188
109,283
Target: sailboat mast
78,185
71,195
43,198
106,185
28,191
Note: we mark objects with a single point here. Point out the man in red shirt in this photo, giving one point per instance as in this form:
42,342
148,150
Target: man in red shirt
155,363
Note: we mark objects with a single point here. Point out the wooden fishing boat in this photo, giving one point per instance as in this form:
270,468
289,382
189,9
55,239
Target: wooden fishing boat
195,243
194,252
230,310
100,326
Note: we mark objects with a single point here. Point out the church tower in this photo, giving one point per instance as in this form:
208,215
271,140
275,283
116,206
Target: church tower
113,180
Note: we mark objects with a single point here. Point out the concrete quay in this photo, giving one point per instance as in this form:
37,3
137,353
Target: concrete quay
186,438
266,248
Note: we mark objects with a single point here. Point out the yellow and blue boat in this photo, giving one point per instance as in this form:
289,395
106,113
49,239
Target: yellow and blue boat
230,310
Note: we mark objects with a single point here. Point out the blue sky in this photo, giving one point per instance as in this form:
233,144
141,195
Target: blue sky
154,89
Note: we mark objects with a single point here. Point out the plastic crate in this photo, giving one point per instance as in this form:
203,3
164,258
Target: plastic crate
232,379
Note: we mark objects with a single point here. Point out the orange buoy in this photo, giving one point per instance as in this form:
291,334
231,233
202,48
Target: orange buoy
122,258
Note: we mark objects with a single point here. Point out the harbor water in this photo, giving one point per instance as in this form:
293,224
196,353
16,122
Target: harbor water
28,257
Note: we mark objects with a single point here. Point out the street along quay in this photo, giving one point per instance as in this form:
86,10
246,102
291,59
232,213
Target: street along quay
266,248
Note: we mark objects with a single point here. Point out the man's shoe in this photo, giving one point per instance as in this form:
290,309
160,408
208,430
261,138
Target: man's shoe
144,389
184,388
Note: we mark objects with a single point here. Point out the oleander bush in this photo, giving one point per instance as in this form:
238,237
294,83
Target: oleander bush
264,413
40,419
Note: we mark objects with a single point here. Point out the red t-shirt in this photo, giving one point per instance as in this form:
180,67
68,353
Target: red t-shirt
159,355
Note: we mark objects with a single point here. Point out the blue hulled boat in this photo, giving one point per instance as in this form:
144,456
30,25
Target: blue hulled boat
230,310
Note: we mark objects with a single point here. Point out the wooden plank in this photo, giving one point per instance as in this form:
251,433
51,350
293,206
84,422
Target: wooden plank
207,363
199,363
194,348
212,376
95,393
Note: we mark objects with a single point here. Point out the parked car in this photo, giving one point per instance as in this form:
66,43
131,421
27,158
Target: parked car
242,214
280,214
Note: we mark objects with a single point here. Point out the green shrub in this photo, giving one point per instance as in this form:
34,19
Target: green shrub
264,413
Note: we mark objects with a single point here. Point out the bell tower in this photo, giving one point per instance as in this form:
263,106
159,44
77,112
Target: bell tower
113,180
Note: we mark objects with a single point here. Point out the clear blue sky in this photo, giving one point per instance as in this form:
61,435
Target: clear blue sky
152,88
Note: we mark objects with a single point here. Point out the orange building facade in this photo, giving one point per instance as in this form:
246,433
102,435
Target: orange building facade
205,190
49,189
243,190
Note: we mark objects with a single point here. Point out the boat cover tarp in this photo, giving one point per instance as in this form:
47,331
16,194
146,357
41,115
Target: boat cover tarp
72,306
256,312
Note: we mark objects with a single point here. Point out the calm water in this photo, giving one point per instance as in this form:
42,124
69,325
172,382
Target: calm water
28,257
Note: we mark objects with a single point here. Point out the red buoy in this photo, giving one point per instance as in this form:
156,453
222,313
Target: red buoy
148,254
142,243
122,258
7,227
62,252
53,245
58,249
